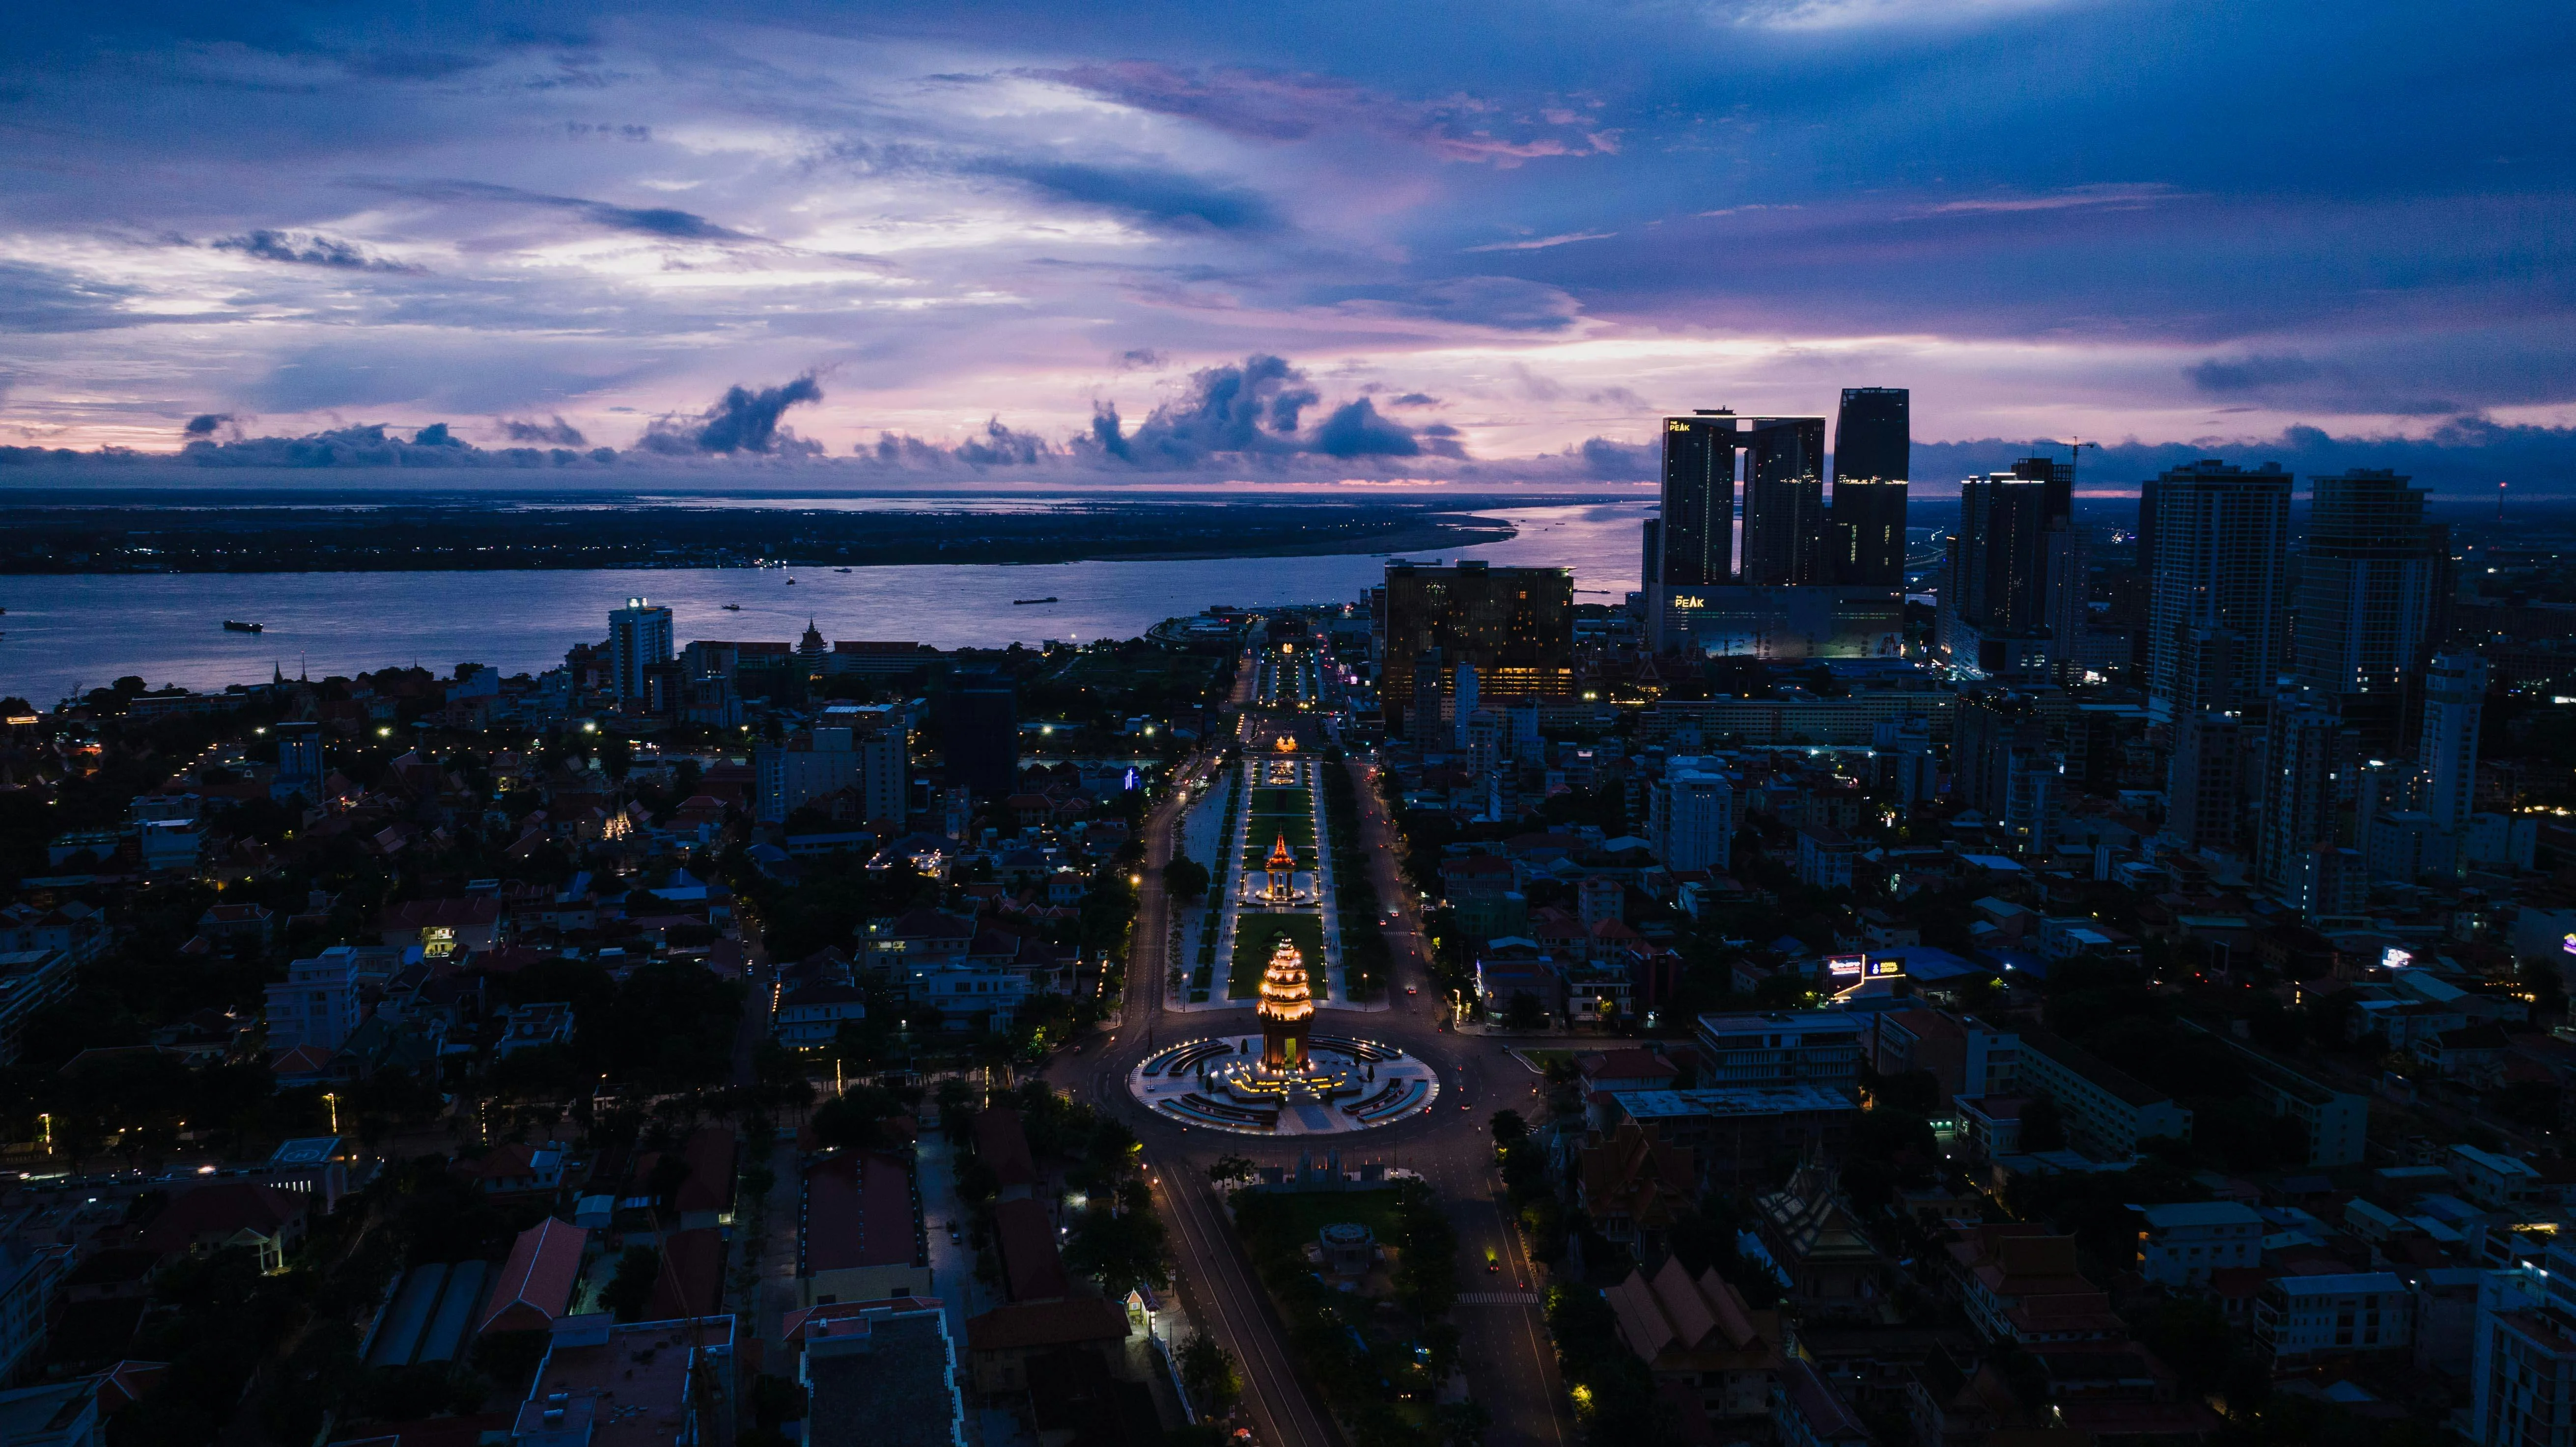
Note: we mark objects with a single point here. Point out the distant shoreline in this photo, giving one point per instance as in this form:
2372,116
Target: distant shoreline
444,537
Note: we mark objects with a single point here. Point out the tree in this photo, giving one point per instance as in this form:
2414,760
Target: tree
1230,1169
1463,1424
1509,1129
631,1290
1208,1370
1185,878
1524,1013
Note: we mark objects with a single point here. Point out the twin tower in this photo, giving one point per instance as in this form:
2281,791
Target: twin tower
1791,539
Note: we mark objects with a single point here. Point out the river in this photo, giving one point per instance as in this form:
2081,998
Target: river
67,632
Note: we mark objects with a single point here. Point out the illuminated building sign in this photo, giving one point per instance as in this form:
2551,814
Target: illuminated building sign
2568,944
1887,967
1689,600
2394,958
1845,966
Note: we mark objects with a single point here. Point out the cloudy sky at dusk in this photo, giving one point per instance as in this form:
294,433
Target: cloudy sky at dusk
1380,239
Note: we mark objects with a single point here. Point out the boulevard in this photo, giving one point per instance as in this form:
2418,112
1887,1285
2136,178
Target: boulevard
1509,1364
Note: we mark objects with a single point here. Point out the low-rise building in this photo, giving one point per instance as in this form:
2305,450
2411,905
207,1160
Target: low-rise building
1738,1133
1811,1047
2335,1123
2181,1243
29,981
884,1376
533,1027
606,1383
859,1231
316,1004
2302,1319
2496,1182
1704,1347
2107,1111
1965,1054
1806,1413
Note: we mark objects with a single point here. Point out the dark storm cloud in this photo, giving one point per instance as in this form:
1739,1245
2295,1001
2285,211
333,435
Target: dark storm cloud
371,445
554,430
205,423
662,221
2229,377
310,249
1166,200
1252,414
996,446
1413,399
741,421
1611,461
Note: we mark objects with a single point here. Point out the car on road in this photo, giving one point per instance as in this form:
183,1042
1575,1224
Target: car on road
953,1236
1410,990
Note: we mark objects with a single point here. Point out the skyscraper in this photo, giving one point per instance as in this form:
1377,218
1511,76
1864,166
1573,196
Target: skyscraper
2369,583
1513,626
1993,593
1699,500
1784,503
2222,538
2307,763
639,636
2455,689
1873,451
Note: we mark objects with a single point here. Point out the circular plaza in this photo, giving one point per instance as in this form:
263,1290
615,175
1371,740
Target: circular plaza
1286,1080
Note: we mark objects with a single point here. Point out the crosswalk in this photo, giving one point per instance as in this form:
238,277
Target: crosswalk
1498,1298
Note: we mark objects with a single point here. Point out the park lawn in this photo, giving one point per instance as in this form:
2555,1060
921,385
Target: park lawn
1299,1215
1266,833
1253,934
1282,801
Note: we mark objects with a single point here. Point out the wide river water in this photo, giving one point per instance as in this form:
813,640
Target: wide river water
68,632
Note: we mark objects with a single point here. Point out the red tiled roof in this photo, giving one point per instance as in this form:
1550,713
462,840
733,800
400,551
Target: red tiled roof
1004,1146
535,1284
1031,1264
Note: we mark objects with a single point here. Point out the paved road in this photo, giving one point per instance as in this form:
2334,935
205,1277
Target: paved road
1509,1363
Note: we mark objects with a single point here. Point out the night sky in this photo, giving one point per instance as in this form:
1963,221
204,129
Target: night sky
1197,241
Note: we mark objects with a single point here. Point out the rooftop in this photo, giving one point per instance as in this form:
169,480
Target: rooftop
877,1387
858,1212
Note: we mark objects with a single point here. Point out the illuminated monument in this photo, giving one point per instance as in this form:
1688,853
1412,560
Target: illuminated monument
1282,888
1287,1080
1287,1009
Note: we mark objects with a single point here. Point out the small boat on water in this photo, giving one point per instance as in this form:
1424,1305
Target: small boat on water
840,570
791,582
1024,602
733,607
232,626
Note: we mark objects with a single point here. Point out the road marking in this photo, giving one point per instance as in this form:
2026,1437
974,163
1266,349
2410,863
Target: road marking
1498,1298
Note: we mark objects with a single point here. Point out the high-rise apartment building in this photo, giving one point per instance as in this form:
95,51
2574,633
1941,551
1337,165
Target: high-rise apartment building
2455,689
853,747
1690,815
1697,530
1784,504
2369,590
639,636
1513,626
980,722
2222,537
2203,789
2307,778
1873,452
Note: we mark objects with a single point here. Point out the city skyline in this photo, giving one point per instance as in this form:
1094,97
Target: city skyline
1164,245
